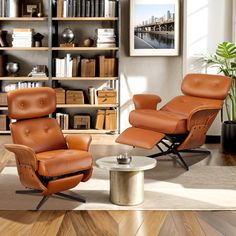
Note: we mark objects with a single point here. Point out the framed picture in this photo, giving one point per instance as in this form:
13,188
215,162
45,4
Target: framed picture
154,27
31,7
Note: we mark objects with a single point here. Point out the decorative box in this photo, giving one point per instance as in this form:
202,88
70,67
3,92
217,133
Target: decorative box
60,95
74,97
107,96
3,122
88,67
81,121
3,99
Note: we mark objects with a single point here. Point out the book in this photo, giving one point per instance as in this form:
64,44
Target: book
106,8
96,6
92,8
82,8
74,8
101,8
100,119
60,4
87,8
91,95
78,11
110,119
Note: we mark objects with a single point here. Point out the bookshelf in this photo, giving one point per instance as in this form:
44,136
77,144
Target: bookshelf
51,26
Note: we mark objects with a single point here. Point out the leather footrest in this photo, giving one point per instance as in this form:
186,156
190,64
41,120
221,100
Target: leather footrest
141,138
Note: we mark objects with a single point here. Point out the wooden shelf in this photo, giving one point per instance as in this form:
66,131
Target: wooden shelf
82,49
86,105
23,18
88,131
84,78
24,78
5,131
4,108
85,18
24,49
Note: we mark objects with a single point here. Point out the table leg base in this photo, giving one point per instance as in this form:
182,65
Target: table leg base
126,187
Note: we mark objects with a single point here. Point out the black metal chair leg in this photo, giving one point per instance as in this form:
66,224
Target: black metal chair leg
183,163
195,151
28,191
77,198
44,199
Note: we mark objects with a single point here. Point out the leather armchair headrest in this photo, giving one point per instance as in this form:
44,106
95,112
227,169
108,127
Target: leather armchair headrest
206,86
31,103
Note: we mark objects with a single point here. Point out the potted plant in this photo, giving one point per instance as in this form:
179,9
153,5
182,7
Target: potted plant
225,60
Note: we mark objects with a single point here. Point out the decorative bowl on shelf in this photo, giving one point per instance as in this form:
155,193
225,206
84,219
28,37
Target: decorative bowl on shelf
12,68
124,159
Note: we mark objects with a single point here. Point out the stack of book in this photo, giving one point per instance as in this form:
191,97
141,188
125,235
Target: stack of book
86,8
67,66
22,37
63,120
106,38
18,85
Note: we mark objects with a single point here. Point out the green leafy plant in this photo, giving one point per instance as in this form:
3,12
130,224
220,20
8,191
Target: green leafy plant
225,59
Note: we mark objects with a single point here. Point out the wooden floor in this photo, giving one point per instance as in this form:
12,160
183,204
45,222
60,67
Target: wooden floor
127,223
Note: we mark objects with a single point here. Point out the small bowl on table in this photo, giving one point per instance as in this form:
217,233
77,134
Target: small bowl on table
123,159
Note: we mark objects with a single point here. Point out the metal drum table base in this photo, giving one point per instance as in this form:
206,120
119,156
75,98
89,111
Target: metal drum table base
127,187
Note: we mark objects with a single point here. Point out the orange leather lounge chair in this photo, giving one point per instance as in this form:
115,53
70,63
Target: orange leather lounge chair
182,123
47,163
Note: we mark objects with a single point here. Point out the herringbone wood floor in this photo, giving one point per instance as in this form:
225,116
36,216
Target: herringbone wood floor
127,223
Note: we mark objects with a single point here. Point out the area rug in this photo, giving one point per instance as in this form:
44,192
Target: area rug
166,188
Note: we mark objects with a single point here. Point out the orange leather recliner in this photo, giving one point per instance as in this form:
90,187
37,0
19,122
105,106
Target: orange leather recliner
183,121
47,163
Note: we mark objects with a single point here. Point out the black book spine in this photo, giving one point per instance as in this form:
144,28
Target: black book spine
92,8
78,8
101,8
74,4
87,7
96,8
70,9
82,8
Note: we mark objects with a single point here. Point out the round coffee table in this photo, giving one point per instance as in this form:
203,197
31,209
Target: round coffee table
126,180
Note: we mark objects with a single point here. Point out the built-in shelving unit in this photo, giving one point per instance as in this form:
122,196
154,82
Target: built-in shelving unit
51,26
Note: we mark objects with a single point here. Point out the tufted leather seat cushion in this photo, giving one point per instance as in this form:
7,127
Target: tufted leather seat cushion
171,118
63,161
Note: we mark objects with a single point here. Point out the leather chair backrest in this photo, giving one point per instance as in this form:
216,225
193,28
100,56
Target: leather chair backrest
29,107
206,86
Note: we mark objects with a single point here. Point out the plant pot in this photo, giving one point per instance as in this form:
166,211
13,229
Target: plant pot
228,137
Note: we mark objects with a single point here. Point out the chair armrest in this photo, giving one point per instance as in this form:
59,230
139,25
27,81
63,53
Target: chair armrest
203,115
79,141
146,101
24,154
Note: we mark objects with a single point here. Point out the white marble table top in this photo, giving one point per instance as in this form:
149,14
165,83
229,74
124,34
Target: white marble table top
138,163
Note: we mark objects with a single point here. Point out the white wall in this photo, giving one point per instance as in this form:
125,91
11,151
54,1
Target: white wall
204,24
158,75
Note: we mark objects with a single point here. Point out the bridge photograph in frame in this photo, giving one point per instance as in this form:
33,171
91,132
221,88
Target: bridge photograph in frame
154,27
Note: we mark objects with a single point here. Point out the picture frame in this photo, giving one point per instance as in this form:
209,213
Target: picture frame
29,5
154,27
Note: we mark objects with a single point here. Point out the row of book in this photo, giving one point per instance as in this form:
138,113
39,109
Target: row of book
22,37
69,66
104,119
19,85
86,8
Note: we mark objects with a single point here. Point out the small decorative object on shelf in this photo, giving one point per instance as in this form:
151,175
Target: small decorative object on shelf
38,71
124,159
12,68
38,39
88,42
3,36
67,36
